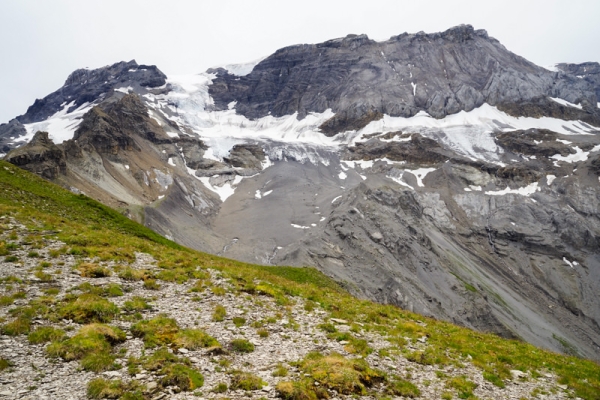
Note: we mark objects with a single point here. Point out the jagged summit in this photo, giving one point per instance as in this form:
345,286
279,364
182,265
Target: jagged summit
86,86
440,73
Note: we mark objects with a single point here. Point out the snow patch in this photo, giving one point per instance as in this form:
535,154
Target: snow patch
225,191
550,179
124,89
399,180
61,126
580,155
300,226
242,69
342,175
524,191
420,174
566,103
171,162
337,198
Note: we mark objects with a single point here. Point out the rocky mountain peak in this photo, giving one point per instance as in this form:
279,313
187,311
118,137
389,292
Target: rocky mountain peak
89,85
439,73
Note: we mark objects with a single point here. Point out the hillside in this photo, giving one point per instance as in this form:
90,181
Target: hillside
437,172
94,305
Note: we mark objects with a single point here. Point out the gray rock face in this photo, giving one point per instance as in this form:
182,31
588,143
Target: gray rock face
589,72
440,73
40,156
87,86
8,132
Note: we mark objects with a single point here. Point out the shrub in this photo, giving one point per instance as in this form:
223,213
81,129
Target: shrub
463,386
136,303
45,334
42,276
18,326
92,345
4,364
220,388
6,301
114,290
339,373
280,371
182,376
219,313
194,339
302,390
89,308
91,270
239,321
246,381
157,331
101,388
263,333
242,346
151,284
401,387
130,274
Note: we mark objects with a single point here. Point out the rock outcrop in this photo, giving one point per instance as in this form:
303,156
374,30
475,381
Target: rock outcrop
40,156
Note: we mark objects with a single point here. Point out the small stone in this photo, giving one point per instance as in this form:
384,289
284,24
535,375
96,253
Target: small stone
563,387
194,359
266,389
183,351
112,374
151,387
423,339
517,374
339,321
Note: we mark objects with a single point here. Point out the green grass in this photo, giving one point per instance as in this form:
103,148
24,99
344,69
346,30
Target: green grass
87,308
93,230
241,346
92,345
45,334
246,381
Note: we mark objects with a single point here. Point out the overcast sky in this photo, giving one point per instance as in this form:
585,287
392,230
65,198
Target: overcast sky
43,41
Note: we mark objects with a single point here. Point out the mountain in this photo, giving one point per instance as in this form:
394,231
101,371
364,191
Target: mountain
437,172
96,306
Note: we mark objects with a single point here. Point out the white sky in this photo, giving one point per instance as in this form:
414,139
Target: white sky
43,41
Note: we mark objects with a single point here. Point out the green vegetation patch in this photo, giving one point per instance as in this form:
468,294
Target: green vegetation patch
101,388
175,371
88,308
246,381
92,345
160,330
45,334
242,346
93,270
333,372
463,386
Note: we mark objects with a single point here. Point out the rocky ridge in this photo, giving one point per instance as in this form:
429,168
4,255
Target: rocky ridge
360,79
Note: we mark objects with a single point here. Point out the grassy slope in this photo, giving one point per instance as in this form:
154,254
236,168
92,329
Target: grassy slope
95,230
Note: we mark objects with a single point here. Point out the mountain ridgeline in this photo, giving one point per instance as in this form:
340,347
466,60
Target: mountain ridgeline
437,172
